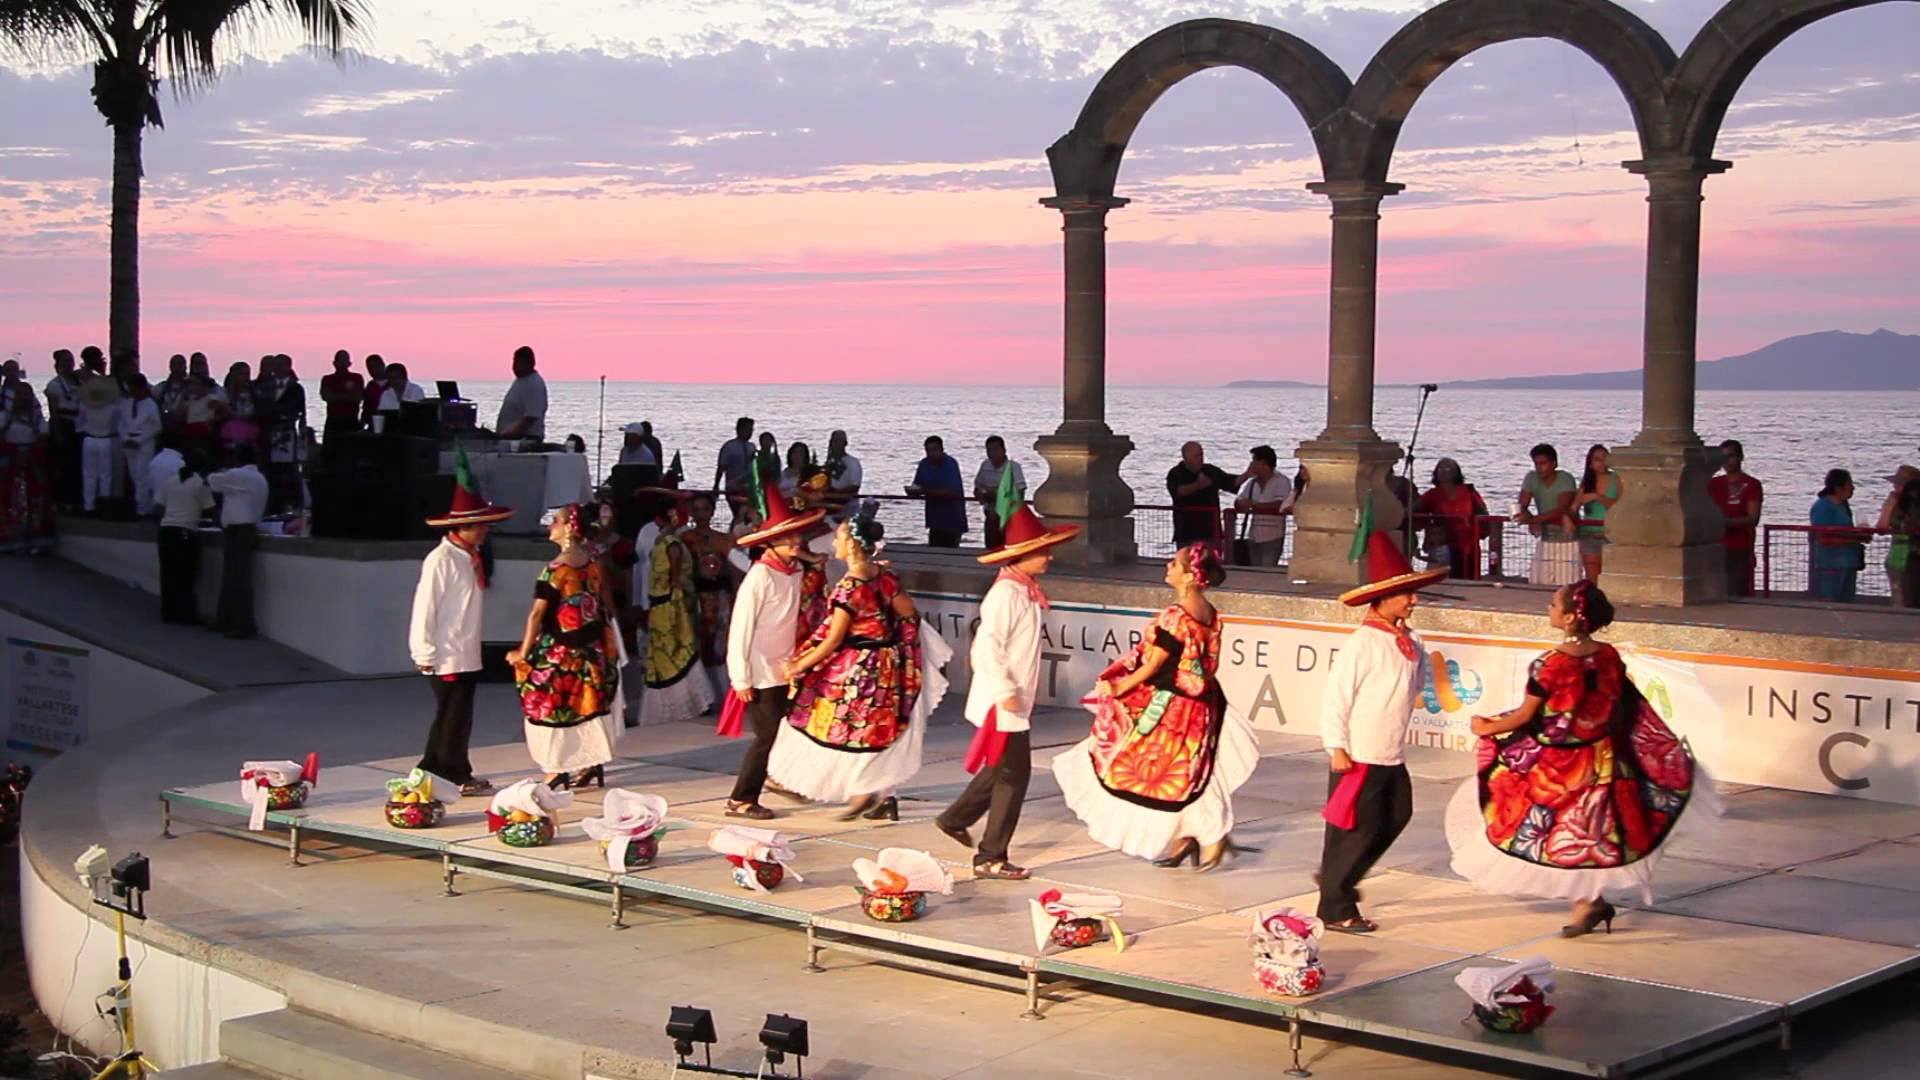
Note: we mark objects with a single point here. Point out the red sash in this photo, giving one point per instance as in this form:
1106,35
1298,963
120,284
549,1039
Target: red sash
989,744
733,713
1340,809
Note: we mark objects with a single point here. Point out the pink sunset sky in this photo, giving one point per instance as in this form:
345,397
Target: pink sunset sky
815,191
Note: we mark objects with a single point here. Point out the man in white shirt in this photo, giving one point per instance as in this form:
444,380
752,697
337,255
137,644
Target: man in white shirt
164,470
634,449
1005,686
762,634
523,412
99,420
63,420
183,502
1265,498
986,486
844,476
1372,688
398,390
443,634
139,433
243,500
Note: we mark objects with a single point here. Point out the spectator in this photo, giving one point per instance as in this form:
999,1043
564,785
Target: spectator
1739,498
1195,487
1599,490
633,447
800,468
184,500
243,500
398,390
937,480
1453,509
575,444
1545,505
63,431
93,361
733,470
240,428
1264,498
140,424
172,390
523,411
197,367
843,474
99,403
652,444
1903,521
26,511
1837,555
164,468
376,389
767,460
986,487
345,393
199,414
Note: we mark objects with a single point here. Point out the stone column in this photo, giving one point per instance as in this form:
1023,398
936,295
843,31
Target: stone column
1349,463
1083,455
1665,529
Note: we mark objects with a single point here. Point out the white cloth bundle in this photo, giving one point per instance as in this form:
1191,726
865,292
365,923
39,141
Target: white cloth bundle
1287,936
1052,906
258,776
903,870
754,846
626,817
1487,986
530,796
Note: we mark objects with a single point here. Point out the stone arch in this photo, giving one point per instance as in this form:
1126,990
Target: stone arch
1635,55
1726,51
1086,161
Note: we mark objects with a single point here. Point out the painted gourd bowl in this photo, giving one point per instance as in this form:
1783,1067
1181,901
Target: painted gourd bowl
640,851
892,907
415,815
535,833
1291,979
1519,1017
291,797
1076,933
770,875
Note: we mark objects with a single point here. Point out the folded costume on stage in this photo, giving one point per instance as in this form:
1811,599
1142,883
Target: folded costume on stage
522,813
1286,952
1511,1000
760,857
894,884
1075,920
276,785
628,828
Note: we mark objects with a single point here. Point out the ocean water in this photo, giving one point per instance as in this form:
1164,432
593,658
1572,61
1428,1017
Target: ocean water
1791,439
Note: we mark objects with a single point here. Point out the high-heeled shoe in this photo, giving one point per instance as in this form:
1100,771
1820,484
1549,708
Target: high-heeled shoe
887,809
857,808
592,774
1600,915
1222,851
560,781
1187,849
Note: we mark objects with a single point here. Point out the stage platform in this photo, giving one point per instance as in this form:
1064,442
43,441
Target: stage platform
1799,901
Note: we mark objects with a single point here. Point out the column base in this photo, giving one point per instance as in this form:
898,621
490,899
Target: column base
1665,530
1341,475
1084,488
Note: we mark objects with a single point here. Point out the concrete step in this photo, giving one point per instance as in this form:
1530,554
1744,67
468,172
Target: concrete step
298,1045
215,1070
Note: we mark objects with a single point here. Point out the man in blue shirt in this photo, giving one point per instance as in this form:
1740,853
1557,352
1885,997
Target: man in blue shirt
938,481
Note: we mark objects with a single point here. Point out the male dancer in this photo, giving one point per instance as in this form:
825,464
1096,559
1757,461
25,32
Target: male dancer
765,628
444,635
1005,686
1372,687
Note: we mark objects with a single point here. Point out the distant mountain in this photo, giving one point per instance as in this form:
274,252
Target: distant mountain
1830,360
1268,384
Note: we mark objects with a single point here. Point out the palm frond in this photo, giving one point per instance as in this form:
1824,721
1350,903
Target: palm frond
54,30
184,37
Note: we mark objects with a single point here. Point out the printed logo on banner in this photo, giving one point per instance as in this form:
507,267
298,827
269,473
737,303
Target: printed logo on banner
49,691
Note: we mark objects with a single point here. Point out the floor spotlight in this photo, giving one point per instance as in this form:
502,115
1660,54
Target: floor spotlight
687,1025
783,1035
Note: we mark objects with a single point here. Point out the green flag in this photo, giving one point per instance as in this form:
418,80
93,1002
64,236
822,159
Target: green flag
1006,499
462,472
1362,531
757,490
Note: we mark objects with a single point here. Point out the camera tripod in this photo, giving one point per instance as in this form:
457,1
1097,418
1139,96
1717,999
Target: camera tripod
130,1062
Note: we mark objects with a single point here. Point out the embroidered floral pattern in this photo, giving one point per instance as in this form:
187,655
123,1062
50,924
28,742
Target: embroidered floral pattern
569,675
861,698
1155,745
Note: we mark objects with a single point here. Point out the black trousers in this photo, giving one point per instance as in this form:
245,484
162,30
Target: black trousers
998,793
1380,815
765,713
236,581
446,754
65,461
179,566
995,534
943,538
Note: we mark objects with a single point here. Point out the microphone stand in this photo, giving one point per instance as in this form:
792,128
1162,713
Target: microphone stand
1406,467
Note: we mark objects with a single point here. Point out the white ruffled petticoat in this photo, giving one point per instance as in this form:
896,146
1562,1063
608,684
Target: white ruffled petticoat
1494,871
571,749
1146,833
824,774
691,696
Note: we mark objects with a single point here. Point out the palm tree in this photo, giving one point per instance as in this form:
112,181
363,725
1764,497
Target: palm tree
132,44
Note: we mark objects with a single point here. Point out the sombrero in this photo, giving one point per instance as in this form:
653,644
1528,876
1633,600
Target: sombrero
468,507
1388,574
1025,534
782,520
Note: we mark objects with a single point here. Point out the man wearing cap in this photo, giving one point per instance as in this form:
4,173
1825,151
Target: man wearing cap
763,633
1371,691
634,449
444,634
1000,699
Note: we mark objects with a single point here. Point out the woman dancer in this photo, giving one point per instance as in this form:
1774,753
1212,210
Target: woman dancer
864,687
1580,785
675,689
1156,777
566,665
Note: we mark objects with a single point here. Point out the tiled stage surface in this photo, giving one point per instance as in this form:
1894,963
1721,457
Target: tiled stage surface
1787,902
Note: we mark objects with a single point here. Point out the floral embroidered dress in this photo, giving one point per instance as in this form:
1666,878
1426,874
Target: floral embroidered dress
857,720
1580,799
570,677
673,645
1163,760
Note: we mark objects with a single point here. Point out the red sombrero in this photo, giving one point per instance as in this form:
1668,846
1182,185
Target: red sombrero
1025,534
782,520
468,507
1388,574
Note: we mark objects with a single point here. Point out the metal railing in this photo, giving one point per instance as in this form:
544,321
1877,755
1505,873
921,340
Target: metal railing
1823,563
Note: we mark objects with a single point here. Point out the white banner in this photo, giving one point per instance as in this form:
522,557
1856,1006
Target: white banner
48,684
1810,727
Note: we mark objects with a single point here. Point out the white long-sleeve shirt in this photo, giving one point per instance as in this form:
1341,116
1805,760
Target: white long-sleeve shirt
1370,696
243,495
1005,657
444,632
764,628
140,421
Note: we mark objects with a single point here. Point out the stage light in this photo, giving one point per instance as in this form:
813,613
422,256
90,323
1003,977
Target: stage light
783,1035
687,1025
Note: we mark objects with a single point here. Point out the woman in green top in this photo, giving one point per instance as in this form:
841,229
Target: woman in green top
1599,490
1902,519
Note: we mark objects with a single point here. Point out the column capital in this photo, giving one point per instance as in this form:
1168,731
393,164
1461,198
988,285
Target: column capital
1343,190
1071,204
1676,165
